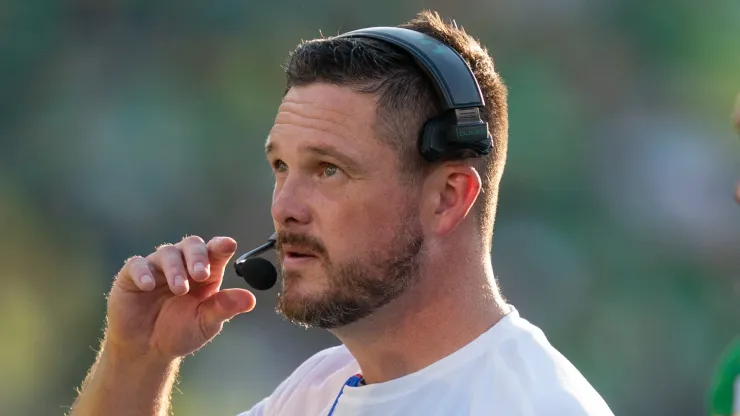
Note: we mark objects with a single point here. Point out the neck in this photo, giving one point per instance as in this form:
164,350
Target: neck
442,313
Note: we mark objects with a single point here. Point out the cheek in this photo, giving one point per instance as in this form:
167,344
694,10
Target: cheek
365,222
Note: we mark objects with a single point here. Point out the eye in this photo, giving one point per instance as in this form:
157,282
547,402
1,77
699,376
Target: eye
279,166
330,170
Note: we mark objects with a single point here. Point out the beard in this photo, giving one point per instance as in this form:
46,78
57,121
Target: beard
357,287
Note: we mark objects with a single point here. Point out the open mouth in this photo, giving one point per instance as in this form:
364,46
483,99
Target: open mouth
297,255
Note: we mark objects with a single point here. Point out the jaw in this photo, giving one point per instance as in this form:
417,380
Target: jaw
305,283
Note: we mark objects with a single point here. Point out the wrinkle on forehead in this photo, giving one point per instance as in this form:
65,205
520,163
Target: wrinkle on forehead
328,107
313,106
290,115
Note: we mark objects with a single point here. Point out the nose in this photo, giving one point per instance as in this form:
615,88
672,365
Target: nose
290,202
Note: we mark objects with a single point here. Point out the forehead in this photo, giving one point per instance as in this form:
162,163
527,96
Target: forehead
325,114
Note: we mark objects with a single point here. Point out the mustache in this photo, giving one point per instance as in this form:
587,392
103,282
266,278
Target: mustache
303,241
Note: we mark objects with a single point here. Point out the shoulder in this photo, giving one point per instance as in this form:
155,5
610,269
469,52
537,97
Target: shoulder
324,364
543,377
328,364
319,367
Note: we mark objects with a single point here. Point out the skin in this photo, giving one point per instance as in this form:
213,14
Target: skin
345,205
152,322
454,296
326,184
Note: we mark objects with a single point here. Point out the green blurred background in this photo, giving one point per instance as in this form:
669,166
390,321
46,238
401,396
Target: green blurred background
126,124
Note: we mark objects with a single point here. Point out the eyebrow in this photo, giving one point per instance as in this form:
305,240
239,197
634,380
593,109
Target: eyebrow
320,150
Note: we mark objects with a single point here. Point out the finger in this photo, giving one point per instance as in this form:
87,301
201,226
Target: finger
196,257
169,260
220,251
222,306
138,272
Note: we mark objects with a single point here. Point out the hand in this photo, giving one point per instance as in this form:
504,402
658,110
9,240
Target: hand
169,304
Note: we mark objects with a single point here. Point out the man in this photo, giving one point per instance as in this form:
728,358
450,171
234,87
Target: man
724,393
387,251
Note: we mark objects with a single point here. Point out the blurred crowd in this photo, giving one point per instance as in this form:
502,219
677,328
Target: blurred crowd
126,124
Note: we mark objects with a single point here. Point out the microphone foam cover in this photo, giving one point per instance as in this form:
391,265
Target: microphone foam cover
258,272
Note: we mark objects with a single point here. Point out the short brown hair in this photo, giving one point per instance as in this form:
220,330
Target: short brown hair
406,98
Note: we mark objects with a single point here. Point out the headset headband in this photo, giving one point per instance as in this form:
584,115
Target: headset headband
452,78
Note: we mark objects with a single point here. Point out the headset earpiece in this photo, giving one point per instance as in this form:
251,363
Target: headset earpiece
432,139
452,136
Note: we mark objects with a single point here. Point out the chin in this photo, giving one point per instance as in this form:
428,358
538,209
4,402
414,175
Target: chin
303,284
307,300
298,303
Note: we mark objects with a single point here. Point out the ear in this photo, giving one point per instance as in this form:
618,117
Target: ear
452,190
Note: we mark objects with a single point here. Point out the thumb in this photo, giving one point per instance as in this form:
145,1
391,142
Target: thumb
222,306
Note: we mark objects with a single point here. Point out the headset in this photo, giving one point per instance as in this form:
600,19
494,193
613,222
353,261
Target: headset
459,132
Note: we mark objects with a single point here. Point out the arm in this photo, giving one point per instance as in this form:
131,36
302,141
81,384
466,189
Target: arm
119,386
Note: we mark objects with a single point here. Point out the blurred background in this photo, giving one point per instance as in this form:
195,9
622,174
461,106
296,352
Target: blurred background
126,124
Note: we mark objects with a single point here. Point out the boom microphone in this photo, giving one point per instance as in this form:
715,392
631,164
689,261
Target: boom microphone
256,271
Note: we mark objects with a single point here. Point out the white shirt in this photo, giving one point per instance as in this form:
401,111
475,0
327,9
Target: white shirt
510,370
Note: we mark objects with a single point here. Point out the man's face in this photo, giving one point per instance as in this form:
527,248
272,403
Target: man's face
349,237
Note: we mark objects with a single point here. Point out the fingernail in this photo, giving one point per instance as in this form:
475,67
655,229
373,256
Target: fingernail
146,280
179,281
199,267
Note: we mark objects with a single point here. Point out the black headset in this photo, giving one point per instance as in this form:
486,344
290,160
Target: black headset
459,132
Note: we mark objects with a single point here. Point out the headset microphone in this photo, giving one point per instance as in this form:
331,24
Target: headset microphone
257,271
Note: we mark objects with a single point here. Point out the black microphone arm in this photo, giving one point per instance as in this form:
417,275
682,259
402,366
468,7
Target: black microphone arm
255,252
258,272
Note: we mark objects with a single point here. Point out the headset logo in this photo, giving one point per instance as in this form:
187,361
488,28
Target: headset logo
475,131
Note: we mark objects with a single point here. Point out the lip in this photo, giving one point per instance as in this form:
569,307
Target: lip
294,257
293,250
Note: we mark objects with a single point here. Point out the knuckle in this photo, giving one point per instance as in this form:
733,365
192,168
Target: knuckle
198,253
168,250
132,261
132,264
173,271
165,246
193,240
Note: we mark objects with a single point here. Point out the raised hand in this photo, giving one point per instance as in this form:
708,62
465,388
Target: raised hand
169,304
